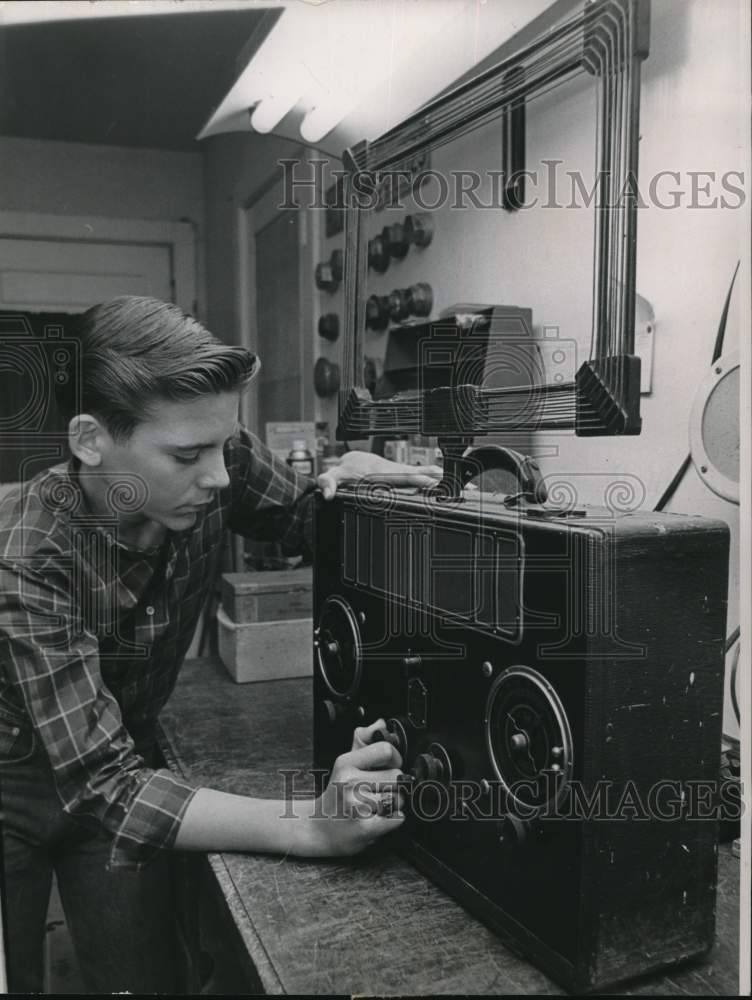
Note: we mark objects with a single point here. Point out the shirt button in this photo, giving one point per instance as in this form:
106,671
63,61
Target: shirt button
150,610
15,731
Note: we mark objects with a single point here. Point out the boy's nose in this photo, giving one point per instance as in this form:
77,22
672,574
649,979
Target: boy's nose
215,477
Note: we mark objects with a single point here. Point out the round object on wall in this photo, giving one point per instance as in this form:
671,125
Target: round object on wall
714,428
329,326
399,304
420,299
328,274
378,254
419,228
377,312
325,377
395,239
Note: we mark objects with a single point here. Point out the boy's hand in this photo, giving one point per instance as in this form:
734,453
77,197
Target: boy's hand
364,735
361,803
356,465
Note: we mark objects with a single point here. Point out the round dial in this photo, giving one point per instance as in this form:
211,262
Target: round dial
325,377
529,739
338,648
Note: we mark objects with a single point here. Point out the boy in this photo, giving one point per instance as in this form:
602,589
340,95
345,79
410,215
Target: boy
103,572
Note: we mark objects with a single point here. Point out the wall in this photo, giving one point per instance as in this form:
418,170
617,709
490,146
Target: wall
691,120
68,178
237,168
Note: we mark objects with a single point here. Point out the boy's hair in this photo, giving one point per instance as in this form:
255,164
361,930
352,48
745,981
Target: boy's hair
135,351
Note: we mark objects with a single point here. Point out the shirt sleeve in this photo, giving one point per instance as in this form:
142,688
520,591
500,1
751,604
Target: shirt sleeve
270,500
53,664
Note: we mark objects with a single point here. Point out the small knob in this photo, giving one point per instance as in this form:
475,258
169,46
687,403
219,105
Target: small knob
385,737
427,767
419,228
397,733
396,240
399,304
377,312
325,377
329,273
331,711
519,741
325,280
333,647
329,326
378,254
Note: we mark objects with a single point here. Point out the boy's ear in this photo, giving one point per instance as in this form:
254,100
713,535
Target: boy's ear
88,439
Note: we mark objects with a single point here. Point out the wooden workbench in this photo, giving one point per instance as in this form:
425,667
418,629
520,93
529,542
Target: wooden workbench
368,925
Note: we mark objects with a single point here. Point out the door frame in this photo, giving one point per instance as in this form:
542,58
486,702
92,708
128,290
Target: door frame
178,237
252,215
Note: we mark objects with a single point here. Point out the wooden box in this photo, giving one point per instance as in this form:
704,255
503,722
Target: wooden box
265,651
270,596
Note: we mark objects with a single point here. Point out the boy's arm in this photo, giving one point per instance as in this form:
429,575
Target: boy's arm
270,501
343,820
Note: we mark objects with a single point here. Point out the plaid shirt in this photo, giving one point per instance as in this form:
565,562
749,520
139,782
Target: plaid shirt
93,633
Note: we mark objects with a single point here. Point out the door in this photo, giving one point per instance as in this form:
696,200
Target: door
44,285
278,319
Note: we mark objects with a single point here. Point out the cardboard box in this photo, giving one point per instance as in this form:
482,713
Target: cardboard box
275,595
264,651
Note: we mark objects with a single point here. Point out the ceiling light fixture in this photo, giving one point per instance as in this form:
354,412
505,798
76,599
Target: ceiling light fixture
336,72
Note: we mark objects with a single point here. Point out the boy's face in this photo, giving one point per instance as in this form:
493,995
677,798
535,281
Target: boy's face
178,453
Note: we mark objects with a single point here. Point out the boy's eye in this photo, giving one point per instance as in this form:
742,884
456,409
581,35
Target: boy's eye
187,459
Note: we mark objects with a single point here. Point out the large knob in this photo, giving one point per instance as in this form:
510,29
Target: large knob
434,765
427,768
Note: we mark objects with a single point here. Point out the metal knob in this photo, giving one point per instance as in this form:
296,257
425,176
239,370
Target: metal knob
377,312
419,228
378,254
519,741
396,240
329,326
427,767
